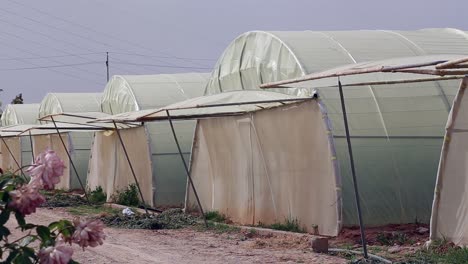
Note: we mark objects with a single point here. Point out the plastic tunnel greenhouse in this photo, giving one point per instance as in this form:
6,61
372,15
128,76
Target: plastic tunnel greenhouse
17,114
276,165
78,143
397,131
157,164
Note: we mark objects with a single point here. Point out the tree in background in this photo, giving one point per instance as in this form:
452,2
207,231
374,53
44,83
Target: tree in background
18,99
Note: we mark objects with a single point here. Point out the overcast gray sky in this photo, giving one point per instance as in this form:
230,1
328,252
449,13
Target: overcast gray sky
59,46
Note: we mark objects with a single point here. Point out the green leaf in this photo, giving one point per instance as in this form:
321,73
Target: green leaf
4,232
22,259
29,251
4,181
43,232
66,228
27,255
4,216
54,225
20,219
11,256
73,262
5,197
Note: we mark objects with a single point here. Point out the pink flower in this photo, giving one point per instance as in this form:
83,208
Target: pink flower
47,169
59,254
88,233
26,199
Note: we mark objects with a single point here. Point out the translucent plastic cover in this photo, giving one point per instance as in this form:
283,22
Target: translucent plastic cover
139,92
397,130
15,114
450,209
55,103
277,164
227,103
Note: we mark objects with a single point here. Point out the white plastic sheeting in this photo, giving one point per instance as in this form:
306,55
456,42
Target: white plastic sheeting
127,93
16,114
109,168
228,103
450,209
390,71
11,154
396,130
258,57
54,103
139,92
45,136
278,164
79,143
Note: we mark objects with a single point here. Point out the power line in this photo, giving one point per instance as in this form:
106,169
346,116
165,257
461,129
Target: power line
54,39
51,66
160,65
56,28
172,65
56,70
44,45
49,57
46,36
98,42
48,46
133,44
166,57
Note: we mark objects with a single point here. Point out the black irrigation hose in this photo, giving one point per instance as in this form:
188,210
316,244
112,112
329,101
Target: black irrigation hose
151,209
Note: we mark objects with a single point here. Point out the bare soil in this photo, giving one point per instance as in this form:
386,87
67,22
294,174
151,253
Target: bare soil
394,242
189,246
352,235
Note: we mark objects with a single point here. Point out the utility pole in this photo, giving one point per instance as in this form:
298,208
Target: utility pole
107,65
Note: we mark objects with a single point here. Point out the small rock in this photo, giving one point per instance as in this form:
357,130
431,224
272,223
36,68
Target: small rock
394,249
319,244
422,230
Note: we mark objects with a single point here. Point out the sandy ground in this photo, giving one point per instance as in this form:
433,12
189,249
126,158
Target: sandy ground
188,246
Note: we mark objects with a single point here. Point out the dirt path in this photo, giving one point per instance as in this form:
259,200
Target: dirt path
189,246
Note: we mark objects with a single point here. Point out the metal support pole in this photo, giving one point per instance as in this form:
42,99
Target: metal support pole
353,171
13,156
186,168
131,166
70,159
32,148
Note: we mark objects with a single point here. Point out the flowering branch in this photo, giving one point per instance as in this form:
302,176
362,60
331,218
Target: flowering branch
20,196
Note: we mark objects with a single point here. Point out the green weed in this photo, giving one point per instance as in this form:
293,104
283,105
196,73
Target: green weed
290,225
392,238
215,216
97,196
90,210
218,228
127,196
440,252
